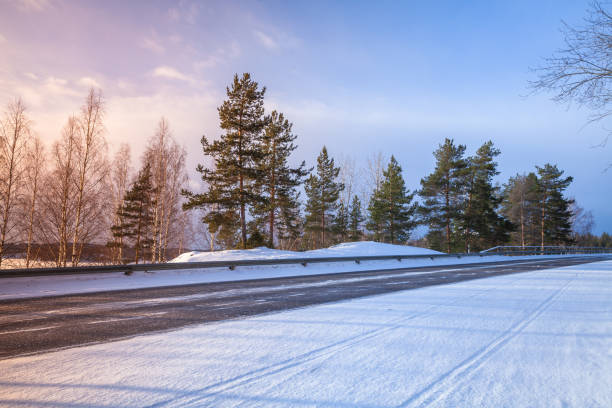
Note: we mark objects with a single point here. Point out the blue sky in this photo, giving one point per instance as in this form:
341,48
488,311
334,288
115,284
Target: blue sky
359,77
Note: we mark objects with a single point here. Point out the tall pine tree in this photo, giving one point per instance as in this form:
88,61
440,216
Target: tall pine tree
555,213
322,191
391,208
482,225
237,155
136,214
521,206
278,181
442,194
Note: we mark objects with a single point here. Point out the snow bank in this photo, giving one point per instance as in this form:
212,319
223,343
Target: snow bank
362,248
538,339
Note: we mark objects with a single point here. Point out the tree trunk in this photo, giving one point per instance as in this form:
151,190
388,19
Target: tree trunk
448,220
31,215
543,213
241,189
522,225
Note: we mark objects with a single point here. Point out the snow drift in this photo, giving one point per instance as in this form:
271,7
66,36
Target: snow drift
363,248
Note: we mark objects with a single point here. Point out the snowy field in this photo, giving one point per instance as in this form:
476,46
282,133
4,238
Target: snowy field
14,288
537,339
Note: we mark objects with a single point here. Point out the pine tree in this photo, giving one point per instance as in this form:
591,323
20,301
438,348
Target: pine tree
278,182
521,207
442,193
136,213
555,214
605,240
341,223
355,219
237,155
323,192
482,225
391,211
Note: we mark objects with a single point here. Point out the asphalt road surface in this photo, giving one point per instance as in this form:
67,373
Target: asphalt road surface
30,326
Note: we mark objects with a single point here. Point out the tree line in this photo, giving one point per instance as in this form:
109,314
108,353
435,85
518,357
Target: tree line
64,202
252,194
58,203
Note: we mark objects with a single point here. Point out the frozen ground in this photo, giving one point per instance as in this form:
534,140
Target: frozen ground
537,339
14,288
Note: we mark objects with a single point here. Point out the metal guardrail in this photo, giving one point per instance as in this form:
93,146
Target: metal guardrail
545,250
130,268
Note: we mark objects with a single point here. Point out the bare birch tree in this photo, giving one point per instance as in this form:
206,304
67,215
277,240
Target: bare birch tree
35,170
582,70
14,134
167,161
57,196
92,172
120,179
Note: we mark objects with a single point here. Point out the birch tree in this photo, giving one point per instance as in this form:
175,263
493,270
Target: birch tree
35,170
120,178
14,134
57,197
167,159
92,172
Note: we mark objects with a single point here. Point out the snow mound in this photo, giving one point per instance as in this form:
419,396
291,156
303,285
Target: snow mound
363,248
370,248
234,255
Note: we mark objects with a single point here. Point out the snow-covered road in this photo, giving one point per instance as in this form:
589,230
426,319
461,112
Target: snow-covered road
531,339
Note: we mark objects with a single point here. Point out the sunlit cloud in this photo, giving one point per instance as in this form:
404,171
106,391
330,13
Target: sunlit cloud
266,40
2,39
170,73
153,45
184,11
31,75
89,82
33,5
209,62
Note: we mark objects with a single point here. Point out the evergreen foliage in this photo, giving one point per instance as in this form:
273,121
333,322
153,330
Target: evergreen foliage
390,208
356,218
136,214
521,206
483,227
278,182
236,155
555,213
442,194
341,223
322,191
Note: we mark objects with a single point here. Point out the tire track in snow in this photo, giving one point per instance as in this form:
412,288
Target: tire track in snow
301,363
459,375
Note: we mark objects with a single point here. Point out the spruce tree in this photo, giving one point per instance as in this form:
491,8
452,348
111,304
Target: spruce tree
482,225
442,194
391,211
236,154
278,181
322,190
355,219
555,213
136,213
